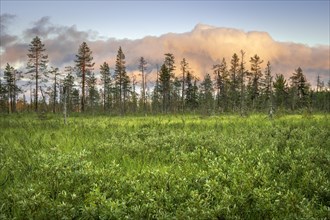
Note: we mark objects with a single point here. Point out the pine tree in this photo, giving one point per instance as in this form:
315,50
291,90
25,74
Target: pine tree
133,103
280,90
106,79
84,64
234,81
175,94
267,89
68,84
10,88
3,97
195,94
37,64
164,87
156,94
185,69
122,81
54,72
191,96
165,80
75,100
242,73
299,89
93,94
221,72
206,94
142,68
254,79
319,84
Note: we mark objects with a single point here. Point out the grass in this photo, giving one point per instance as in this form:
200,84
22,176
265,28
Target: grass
165,167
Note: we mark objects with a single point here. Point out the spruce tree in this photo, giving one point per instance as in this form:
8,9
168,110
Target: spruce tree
84,64
37,64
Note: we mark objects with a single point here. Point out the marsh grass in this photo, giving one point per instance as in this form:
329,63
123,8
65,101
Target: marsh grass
165,167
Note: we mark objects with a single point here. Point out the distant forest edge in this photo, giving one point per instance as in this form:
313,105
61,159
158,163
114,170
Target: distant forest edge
240,86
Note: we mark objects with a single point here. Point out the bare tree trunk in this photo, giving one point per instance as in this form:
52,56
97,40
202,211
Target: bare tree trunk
54,104
64,105
36,92
83,89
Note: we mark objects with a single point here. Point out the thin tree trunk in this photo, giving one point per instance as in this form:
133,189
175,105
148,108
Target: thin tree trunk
64,107
36,92
83,89
54,104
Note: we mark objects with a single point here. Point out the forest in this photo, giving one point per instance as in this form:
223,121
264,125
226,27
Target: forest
237,86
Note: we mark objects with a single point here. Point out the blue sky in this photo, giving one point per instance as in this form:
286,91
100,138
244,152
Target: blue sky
304,22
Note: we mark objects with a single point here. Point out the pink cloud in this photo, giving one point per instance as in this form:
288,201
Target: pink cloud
202,47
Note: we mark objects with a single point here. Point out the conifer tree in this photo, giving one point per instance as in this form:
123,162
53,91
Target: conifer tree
54,72
206,94
11,87
299,89
3,97
93,94
319,84
191,96
84,64
37,64
234,81
156,94
106,79
164,86
267,89
68,84
175,94
221,72
280,90
122,81
185,69
242,75
166,79
142,68
254,79
134,99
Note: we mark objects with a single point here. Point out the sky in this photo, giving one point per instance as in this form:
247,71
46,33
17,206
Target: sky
201,31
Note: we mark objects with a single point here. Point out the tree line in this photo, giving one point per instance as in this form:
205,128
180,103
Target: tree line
239,86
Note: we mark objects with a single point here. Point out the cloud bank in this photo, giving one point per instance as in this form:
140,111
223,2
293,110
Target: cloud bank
202,47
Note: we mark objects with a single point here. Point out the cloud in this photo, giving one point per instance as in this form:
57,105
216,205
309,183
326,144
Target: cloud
5,38
202,47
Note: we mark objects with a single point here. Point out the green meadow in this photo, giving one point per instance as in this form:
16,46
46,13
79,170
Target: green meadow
165,167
